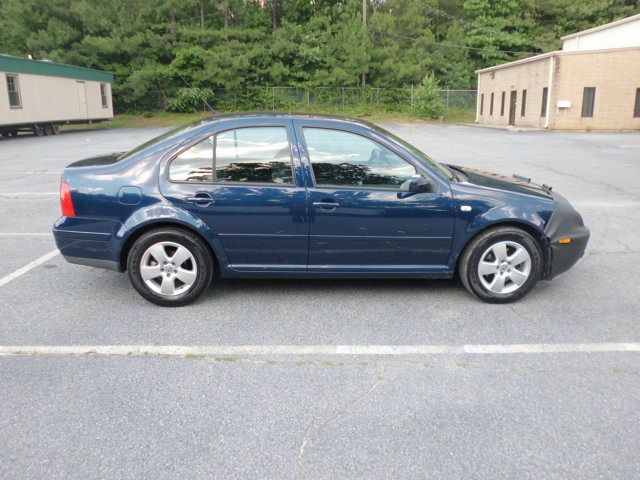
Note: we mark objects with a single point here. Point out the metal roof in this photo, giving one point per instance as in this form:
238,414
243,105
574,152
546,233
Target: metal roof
11,64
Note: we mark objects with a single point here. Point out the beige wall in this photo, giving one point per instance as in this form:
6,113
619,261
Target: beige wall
52,99
615,74
530,76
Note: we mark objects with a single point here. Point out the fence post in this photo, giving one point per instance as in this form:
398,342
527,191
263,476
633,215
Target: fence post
411,102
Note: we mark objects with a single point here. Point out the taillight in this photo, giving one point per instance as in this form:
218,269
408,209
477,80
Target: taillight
66,202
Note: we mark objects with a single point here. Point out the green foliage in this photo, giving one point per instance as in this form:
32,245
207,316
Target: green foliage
158,48
191,100
428,102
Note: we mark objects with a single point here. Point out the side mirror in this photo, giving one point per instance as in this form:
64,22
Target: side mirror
420,184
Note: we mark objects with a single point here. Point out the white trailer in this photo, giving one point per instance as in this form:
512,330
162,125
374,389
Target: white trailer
39,96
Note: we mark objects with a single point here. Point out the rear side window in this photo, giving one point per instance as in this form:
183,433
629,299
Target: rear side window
251,155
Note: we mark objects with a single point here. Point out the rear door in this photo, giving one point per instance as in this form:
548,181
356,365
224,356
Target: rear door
362,218
244,182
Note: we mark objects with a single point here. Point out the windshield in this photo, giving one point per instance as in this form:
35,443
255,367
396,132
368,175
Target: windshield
418,153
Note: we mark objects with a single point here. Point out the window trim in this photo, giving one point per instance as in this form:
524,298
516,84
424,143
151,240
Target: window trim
103,97
16,78
419,168
294,183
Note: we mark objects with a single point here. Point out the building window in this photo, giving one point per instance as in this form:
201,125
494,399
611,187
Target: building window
502,105
13,87
523,107
636,111
588,100
491,105
482,104
103,95
545,95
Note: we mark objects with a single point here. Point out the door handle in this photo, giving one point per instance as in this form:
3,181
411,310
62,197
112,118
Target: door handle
201,198
326,206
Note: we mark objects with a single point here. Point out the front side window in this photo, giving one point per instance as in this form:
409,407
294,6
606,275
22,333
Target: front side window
103,95
344,159
250,155
13,87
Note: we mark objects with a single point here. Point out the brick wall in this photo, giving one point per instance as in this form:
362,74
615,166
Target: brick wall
615,74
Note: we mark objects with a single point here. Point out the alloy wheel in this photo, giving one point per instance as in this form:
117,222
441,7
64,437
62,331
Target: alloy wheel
168,268
504,267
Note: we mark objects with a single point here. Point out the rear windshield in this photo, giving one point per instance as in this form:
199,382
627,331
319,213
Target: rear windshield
154,141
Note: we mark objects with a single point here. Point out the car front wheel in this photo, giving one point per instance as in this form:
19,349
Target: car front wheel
501,265
170,266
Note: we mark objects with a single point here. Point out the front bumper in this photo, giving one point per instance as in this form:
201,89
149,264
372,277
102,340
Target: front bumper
565,222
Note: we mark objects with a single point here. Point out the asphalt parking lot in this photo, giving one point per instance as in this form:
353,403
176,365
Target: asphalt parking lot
287,413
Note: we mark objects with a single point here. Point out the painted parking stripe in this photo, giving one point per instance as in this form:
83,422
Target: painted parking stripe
29,266
28,194
376,350
24,234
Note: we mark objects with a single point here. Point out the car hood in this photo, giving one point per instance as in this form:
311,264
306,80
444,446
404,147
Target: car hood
501,182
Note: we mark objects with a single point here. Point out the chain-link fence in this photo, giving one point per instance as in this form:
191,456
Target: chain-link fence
336,98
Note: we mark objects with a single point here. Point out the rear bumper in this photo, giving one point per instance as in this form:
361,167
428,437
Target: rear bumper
88,242
565,222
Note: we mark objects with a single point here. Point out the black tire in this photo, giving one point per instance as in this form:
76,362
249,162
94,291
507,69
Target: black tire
204,263
471,257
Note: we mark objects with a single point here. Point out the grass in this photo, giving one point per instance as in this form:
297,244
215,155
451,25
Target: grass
166,119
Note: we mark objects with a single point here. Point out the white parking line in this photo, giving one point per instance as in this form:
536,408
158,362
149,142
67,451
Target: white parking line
389,350
28,194
24,234
27,267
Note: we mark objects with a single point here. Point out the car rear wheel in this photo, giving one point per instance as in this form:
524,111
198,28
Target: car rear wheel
501,265
170,266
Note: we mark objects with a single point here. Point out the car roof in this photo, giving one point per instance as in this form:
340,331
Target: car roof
287,116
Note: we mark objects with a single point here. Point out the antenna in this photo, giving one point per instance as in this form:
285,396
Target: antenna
215,112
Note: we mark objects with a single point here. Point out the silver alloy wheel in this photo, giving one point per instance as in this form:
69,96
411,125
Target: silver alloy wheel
168,268
504,267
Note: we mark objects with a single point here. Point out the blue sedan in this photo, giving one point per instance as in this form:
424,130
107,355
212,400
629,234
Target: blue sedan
307,196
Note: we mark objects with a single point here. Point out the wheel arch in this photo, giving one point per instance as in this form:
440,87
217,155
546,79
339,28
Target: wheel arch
537,234
160,223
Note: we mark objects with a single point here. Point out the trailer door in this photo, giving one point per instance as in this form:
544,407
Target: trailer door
82,99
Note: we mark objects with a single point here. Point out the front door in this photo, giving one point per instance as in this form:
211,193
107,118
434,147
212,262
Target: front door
362,217
241,183
81,91
512,107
